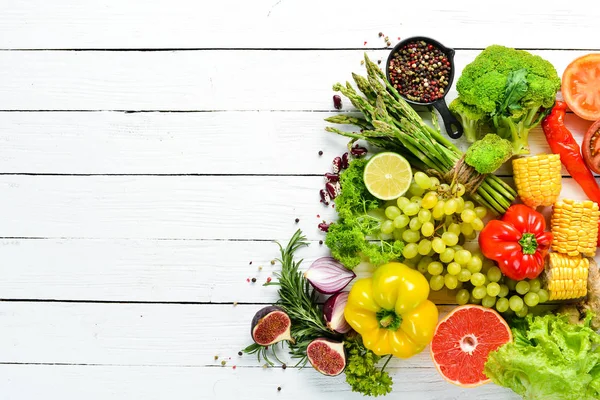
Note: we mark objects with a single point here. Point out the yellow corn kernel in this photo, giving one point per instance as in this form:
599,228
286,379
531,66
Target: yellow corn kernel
538,179
566,276
575,227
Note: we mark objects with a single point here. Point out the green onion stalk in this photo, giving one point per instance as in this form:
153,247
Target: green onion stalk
389,122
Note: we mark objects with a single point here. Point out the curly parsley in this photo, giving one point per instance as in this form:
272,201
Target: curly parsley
361,371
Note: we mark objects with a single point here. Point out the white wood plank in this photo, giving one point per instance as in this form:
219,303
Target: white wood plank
149,207
313,23
77,382
181,207
189,80
142,270
181,143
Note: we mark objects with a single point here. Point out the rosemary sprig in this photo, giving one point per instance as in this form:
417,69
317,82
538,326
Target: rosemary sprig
298,299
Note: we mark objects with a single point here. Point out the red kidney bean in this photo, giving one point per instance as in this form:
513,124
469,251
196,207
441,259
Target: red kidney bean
332,177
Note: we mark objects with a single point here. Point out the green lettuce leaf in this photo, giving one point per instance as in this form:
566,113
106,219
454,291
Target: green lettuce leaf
549,359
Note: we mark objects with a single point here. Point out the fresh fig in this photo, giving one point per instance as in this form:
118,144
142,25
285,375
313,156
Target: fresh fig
327,356
271,325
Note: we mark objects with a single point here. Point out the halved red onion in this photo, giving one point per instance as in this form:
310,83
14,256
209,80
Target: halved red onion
333,310
328,276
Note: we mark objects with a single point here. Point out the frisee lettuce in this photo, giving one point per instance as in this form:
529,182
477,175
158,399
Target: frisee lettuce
356,233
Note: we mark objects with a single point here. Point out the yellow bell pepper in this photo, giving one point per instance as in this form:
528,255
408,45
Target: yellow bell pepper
391,311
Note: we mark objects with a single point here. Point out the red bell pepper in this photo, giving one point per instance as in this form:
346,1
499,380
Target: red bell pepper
518,242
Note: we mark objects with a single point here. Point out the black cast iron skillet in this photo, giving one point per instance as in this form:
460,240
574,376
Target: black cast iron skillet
453,127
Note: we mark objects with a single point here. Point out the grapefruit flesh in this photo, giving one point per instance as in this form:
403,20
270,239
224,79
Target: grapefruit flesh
463,340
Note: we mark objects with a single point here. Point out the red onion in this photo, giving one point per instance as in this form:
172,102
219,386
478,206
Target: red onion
328,276
333,310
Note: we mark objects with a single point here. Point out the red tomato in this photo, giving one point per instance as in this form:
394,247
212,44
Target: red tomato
581,86
591,147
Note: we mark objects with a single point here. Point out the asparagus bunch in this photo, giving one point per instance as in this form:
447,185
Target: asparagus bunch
391,123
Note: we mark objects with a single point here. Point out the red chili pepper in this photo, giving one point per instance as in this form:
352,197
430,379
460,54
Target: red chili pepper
518,242
561,142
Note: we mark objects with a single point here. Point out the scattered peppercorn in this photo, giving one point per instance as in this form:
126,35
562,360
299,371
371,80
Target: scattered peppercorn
380,34
283,366
362,62
268,279
279,388
387,39
260,267
235,303
253,280
272,262
388,43
378,61
240,353
234,367
320,152
223,363
420,71
250,262
365,43
247,279
337,101
320,242
297,220
216,358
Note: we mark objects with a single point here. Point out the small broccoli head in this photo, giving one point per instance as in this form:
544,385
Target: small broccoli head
471,118
488,154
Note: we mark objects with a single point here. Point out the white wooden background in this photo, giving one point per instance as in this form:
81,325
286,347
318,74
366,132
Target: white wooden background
150,149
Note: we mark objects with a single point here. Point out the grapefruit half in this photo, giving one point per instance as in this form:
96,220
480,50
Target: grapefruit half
462,341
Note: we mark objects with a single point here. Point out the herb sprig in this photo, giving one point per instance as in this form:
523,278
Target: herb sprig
299,300
362,373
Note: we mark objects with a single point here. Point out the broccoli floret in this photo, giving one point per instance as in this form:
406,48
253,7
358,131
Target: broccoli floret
513,88
471,118
488,154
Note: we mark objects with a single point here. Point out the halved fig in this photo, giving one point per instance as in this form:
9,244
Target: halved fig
327,356
271,325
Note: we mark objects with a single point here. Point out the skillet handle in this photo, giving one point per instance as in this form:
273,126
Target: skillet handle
453,128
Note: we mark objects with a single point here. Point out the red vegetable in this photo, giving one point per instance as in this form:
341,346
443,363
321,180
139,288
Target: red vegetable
561,142
591,147
518,242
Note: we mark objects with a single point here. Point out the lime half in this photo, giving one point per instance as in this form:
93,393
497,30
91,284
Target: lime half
387,176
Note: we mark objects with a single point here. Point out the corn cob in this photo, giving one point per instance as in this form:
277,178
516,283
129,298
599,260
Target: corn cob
566,277
538,179
575,227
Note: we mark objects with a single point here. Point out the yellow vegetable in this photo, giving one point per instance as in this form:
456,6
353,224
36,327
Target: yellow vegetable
538,179
391,311
566,276
575,227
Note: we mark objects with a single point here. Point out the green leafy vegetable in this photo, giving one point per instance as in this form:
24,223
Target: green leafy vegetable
362,374
549,359
356,233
